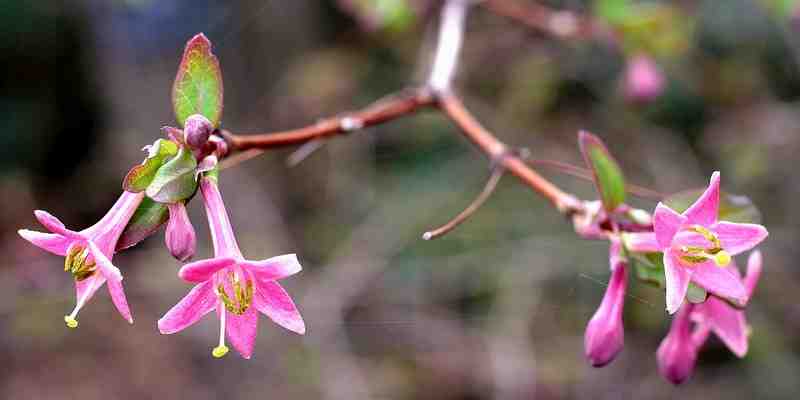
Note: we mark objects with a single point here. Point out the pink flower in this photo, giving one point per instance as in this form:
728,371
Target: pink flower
236,288
180,236
88,252
697,247
604,334
727,322
643,79
677,353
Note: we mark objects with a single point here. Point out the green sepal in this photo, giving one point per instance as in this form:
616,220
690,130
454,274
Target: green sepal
140,176
175,180
695,294
606,172
732,208
145,221
198,84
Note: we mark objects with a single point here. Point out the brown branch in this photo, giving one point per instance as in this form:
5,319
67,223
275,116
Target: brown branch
487,191
404,103
498,152
562,24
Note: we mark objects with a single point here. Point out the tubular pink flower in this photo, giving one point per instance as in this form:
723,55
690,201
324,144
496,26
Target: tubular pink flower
677,353
727,322
643,79
696,246
180,236
88,253
234,287
605,335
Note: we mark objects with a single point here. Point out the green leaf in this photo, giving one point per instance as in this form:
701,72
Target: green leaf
607,173
175,180
140,176
614,11
649,268
732,208
198,85
145,221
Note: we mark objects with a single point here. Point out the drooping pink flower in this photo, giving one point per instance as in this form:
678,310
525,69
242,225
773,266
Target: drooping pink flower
180,237
644,81
89,252
697,247
677,353
235,287
605,335
727,322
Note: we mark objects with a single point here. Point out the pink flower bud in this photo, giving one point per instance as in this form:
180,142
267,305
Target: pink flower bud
196,131
605,335
180,237
643,79
677,353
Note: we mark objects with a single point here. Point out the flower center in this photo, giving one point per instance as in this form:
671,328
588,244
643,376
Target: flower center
713,250
78,263
242,294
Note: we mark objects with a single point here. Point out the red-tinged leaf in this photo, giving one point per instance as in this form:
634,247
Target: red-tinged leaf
145,221
198,85
607,174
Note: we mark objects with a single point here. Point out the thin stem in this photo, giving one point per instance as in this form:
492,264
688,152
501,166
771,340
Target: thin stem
585,174
491,184
562,24
498,152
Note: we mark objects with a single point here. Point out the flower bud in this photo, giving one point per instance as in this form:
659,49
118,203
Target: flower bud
196,131
677,353
605,335
643,79
180,237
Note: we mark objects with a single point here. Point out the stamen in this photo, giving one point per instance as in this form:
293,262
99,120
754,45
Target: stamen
696,254
221,350
242,297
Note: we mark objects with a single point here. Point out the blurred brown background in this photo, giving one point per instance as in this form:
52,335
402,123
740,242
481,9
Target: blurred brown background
496,309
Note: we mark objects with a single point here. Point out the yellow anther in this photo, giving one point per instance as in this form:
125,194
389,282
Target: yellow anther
722,258
71,321
219,351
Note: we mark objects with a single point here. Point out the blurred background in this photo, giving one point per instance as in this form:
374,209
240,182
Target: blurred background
495,309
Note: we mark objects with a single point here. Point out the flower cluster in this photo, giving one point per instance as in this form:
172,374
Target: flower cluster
156,192
695,250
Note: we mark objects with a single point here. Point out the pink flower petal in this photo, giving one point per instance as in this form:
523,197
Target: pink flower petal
738,238
720,281
666,223
119,300
53,224
677,277
274,302
242,330
274,268
199,302
705,210
753,272
201,271
641,242
104,265
49,242
726,322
